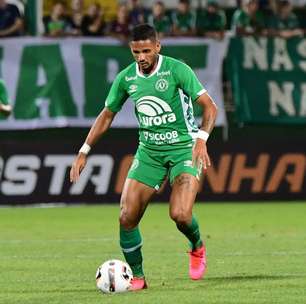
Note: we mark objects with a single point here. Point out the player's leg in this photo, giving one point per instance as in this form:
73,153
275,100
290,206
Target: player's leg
184,190
134,200
144,179
184,178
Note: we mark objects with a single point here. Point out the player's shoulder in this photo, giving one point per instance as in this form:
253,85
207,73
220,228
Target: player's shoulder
128,72
238,13
174,63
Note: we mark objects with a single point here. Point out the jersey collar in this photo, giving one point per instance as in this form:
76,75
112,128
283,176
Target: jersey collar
160,59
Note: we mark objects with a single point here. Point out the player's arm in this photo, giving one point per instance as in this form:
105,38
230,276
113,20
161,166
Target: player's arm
193,88
113,104
18,25
100,126
200,154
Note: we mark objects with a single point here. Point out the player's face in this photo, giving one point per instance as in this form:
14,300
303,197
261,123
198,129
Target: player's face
145,54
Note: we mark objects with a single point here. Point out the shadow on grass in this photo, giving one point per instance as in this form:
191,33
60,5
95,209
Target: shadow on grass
257,277
55,291
207,281
239,279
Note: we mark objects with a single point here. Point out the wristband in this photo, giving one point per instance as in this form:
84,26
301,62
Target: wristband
203,135
85,149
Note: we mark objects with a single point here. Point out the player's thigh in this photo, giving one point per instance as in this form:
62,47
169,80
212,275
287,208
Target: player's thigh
184,190
181,162
134,200
148,168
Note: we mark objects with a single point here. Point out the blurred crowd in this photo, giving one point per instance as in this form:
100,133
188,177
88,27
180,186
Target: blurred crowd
252,17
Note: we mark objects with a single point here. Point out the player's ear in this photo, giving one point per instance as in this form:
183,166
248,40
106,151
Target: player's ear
158,46
130,45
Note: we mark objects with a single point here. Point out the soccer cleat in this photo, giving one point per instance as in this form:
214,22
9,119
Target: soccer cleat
197,263
5,109
138,284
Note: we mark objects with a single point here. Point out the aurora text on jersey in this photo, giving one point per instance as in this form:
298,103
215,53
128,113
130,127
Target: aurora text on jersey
163,102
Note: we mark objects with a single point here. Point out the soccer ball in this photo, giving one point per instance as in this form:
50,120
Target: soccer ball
114,276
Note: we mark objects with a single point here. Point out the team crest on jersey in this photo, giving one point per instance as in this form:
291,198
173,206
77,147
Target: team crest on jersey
132,88
161,85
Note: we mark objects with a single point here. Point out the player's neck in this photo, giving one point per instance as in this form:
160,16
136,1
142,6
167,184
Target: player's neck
151,69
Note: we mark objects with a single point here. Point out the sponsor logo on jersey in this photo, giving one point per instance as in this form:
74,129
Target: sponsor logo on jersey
132,88
169,137
161,85
127,78
164,73
188,163
155,111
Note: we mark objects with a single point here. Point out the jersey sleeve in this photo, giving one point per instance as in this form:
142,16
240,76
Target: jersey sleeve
189,82
117,95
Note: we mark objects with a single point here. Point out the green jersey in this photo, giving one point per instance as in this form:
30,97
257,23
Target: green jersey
162,24
163,102
207,22
289,23
184,22
242,19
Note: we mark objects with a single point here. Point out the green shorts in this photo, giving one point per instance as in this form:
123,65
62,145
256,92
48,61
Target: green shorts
151,167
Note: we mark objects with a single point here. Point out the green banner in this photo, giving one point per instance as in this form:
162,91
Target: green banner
64,82
268,79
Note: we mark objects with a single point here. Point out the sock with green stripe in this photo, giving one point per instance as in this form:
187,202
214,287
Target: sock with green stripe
131,242
192,232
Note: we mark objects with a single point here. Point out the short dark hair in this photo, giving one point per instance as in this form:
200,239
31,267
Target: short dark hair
143,32
187,2
284,3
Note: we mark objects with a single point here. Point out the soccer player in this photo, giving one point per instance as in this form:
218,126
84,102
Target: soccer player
171,144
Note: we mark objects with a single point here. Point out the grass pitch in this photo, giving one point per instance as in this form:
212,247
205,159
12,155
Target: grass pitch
256,254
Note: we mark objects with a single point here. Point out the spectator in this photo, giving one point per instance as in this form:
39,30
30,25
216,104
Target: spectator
76,17
57,24
120,28
284,22
160,20
11,23
5,107
211,22
183,20
137,12
93,24
248,20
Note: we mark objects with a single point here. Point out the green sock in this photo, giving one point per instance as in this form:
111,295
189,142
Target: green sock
131,242
192,233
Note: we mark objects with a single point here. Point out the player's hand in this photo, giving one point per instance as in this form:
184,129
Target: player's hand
200,156
77,167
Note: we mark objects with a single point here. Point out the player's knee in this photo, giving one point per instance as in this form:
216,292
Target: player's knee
127,220
181,216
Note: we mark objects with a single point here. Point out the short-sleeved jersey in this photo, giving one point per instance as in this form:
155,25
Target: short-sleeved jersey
163,102
211,21
278,23
184,22
242,19
162,24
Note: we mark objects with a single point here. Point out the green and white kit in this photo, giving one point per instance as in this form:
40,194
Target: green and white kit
163,107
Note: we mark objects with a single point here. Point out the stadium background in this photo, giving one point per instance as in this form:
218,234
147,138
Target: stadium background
256,248
257,148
